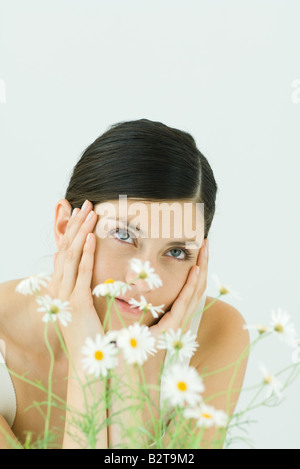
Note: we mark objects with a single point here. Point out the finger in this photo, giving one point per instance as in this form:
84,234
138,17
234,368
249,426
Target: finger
85,271
192,292
75,221
202,263
73,255
181,304
201,282
72,228
189,286
189,297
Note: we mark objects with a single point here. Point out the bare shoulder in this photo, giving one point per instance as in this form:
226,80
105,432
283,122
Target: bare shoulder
9,296
11,303
221,334
221,316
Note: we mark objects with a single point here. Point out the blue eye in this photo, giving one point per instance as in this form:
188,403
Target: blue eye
118,230
124,236
186,252
178,251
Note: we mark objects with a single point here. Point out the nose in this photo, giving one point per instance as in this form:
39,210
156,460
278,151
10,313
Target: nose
138,285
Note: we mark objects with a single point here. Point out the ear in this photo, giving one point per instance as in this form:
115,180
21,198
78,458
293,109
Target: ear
63,212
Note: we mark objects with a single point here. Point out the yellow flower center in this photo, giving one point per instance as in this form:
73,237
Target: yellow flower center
279,328
182,386
268,379
223,290
109,280
207,416
177,344
262,329
133,343
54,309
143,274
99,355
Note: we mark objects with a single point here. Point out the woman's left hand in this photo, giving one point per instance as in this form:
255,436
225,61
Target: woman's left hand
189,297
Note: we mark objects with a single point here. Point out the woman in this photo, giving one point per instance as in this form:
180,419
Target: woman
150,163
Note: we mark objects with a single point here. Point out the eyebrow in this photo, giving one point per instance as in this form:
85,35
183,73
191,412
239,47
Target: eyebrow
138,230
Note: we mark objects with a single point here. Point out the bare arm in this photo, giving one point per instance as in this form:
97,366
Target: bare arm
184,306
8,440
222,363
71,282
125,409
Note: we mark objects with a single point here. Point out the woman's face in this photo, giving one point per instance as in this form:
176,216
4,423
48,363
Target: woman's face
157,239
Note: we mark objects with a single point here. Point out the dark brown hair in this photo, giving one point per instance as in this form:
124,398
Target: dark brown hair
144,159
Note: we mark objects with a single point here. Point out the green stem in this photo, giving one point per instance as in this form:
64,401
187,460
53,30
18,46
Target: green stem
243,355
237,362
148,400
118,313
37,385
142,316
108,307
189,318
50,375
83,387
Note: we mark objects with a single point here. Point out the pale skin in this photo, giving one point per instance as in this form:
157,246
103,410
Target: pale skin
78,267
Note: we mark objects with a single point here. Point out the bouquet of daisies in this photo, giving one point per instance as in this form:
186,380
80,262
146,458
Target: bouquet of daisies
180,386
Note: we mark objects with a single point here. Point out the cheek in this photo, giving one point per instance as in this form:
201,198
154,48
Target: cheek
110,262
106,263
172,286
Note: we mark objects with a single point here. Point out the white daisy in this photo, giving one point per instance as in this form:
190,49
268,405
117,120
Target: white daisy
181,345
142,304
260,328
146,272
282,326
111,288
181,384
207,416
54,309
224,289
32,284
136,342
112,335
273,385
100,356
296,353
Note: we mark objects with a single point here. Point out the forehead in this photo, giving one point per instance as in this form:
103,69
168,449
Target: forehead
180,219
131,204
179,211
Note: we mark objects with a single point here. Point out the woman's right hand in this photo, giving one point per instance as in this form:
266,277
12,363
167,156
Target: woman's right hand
71,281
72,277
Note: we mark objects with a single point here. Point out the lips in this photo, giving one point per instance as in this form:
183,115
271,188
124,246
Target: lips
125,307
123,299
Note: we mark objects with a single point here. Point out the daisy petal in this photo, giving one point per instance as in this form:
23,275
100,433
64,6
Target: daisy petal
182,384
33,284
146,272
136,342
99,356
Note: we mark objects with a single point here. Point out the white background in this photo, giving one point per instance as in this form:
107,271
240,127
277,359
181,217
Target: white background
223,71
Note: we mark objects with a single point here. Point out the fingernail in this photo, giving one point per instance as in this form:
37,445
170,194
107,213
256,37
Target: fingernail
89,216
197,269
85,205
75,211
